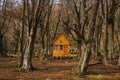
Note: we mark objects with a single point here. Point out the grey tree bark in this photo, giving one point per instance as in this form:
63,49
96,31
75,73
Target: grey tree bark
84,26
21,51
34,12
82,68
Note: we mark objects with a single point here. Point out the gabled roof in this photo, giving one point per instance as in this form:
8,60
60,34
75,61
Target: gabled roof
61,39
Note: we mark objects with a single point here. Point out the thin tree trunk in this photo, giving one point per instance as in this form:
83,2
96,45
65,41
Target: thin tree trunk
118,36
20,63
119,62
79,53
105,36
98,40
2,48
27,58
105,45
43,51
16,46
111,41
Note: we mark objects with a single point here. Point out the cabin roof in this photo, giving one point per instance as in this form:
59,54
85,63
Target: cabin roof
61,39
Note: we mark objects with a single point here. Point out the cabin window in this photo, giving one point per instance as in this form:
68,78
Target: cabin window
58,47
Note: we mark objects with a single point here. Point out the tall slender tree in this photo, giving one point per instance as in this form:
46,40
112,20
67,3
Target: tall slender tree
34,10
22,36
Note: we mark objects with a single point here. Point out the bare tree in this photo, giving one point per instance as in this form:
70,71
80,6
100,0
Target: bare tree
44,30
5,19
20,63
108,11
33,10
82,27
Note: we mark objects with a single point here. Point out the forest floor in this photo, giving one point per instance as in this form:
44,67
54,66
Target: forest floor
56,70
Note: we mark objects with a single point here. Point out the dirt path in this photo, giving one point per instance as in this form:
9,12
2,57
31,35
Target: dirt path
55,70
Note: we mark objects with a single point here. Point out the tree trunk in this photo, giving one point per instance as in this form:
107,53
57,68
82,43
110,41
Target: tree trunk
79,53
98,38
87,44
119,62
16,46
43,50
27,58
21,51
84,60
105,36
2,48
118,36
48,42
111,41
105,45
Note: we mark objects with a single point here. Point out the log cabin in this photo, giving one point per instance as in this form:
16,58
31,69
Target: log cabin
60,47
